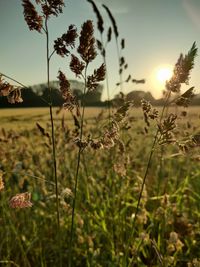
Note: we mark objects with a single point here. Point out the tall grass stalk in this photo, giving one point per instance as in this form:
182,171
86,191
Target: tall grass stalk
77,172
48,57
155,142
102,48
107,83
116,33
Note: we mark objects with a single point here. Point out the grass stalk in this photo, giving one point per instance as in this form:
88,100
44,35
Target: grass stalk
155,142
107,81
48,56
77,174
120,74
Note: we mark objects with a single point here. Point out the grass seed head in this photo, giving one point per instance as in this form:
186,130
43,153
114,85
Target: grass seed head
21,200
86,47
66,41
33,20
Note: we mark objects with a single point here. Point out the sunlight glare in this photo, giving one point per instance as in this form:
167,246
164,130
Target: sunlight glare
163,74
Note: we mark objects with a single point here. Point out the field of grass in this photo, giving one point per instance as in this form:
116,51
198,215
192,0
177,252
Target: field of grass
166,230
26,118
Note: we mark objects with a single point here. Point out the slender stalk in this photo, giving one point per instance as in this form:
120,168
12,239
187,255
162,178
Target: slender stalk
37,178
10,78
120,74
53,135
77,174
87,177
107,81
156,140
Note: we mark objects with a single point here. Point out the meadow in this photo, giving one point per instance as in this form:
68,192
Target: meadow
88,187
26,118
166,230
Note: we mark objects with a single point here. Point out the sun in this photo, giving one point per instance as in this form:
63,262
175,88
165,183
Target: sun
164,73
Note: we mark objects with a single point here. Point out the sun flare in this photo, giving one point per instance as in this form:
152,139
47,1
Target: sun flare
163,74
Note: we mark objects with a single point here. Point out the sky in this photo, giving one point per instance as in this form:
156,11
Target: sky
155,33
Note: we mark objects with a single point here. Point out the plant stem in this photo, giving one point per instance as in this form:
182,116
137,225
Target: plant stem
53,136
107,80
120,73
10,78
77,173
156,140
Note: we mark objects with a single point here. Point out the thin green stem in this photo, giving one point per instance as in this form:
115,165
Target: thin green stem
52,54
156,140
77,173
53,136
37,178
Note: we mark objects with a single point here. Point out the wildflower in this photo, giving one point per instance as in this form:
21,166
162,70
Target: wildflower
21,200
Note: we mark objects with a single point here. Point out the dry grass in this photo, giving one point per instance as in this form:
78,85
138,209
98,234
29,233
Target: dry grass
26,118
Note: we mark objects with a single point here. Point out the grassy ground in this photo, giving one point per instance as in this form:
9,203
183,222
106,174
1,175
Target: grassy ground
166,231
21,118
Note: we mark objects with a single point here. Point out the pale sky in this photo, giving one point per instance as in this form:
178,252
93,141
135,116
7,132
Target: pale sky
155,32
